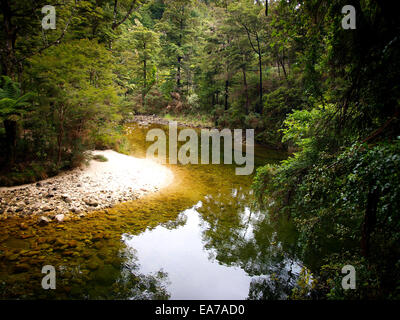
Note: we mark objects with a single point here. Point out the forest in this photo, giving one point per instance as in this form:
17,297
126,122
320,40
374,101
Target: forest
326,96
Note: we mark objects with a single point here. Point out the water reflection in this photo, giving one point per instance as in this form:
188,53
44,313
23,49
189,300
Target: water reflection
225,249
180,253
241,235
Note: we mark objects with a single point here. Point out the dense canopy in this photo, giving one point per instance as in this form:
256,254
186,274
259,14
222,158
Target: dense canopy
285,68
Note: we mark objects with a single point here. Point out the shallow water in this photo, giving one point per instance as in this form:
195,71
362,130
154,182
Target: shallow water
200,238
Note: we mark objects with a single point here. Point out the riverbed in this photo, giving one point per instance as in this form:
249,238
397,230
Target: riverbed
94,185
201,237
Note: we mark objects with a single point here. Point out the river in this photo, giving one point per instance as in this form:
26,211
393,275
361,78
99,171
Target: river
203,237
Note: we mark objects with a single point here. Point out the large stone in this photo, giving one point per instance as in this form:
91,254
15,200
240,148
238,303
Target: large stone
91,202
43,221
59,217
75,210
67,200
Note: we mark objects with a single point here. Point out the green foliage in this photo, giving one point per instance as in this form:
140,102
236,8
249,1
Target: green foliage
137,52
176,26
12,102
328,197
301,125
341,185
305,284
99,157
75,82
23,173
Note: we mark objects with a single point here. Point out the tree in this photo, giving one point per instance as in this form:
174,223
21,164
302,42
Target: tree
240,54
22,34
251,19
176,26
12,106
128,9
146,44
76,80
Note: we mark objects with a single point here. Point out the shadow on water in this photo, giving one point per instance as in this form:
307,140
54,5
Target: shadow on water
202,237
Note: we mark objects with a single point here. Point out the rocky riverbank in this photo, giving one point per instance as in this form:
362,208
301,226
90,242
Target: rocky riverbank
97,186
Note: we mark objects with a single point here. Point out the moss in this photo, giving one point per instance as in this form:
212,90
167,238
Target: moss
99,157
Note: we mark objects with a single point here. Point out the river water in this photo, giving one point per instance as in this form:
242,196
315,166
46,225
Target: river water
202,237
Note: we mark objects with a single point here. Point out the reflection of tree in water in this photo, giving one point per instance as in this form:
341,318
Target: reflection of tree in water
119,280
269,288
237,234
131,284
173,224
277,284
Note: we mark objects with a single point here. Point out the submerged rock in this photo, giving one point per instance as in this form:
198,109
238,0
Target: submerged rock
23,226
22,267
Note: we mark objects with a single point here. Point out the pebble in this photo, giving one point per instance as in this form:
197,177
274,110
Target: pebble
72,194
60,217
43,220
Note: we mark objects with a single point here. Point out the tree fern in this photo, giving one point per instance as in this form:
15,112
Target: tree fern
12,103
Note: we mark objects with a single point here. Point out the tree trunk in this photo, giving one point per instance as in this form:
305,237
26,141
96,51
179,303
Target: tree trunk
178,76
144,75
60,134
283,68
282,61
10,34
246,90
279,68
260,107
226,93
11,140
